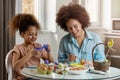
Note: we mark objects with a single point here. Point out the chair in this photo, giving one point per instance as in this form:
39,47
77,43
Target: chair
8,65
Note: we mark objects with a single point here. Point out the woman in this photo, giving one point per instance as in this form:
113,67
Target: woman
78,44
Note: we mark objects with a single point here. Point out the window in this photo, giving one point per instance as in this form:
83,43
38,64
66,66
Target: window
28,6
99,12
93,9
116,24
42,9
35,7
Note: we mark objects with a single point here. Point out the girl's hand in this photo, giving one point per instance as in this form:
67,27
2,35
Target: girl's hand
72,57
30,50
37,52
37,45
44,54
49,48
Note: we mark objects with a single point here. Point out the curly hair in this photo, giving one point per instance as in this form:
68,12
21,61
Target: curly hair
22,22
72,11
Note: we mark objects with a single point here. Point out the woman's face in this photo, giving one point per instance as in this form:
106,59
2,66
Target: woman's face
30,36
74,27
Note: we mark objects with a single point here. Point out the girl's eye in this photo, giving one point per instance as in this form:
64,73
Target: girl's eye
69,28
30,34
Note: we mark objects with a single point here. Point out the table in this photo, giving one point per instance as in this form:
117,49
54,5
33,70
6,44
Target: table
113,73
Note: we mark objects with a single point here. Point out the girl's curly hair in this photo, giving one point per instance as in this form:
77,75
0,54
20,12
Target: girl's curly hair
22,22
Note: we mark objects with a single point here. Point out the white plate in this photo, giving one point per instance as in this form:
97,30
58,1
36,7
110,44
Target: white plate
76,71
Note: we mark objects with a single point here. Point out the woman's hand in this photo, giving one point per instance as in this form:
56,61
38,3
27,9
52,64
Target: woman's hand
88,63
72,57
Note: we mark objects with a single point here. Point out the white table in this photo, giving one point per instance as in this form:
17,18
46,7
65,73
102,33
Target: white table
113,73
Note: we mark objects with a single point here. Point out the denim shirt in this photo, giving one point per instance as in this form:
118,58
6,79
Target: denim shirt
68,45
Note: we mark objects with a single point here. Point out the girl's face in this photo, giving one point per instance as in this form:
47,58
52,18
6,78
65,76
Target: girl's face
30,35
74,27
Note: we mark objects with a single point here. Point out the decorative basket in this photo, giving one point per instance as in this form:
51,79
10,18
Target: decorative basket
101,66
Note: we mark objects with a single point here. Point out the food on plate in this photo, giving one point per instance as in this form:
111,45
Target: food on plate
60,66
44,69
76,65
64,71
76,68
50,70
60,69
82,62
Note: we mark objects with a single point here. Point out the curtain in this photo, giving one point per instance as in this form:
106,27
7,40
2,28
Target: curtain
7,10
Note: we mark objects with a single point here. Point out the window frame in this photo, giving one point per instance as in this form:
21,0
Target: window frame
44,14
98,22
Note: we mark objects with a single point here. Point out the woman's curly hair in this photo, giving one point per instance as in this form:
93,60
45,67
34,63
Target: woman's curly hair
72,11
22,22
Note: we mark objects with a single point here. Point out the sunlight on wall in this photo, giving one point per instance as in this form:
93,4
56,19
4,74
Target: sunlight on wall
106,14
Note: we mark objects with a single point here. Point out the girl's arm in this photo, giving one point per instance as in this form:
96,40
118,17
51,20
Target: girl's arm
18,63
50,58
46,55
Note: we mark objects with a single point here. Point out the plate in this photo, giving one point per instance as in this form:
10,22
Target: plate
31,67
76,70
32,73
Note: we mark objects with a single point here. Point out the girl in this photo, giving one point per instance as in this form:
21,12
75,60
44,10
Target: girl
25,54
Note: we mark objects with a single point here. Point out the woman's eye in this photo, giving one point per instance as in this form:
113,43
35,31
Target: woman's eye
75,26
35,34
